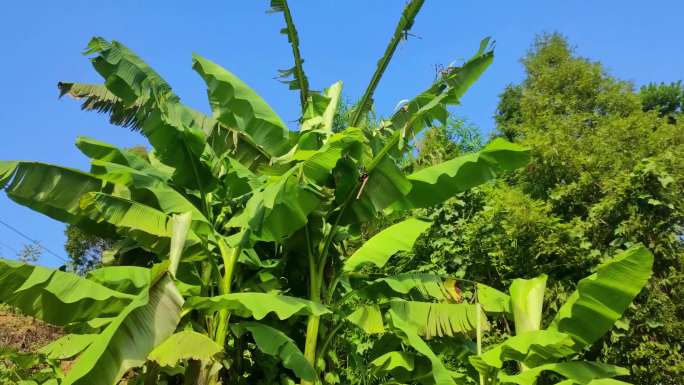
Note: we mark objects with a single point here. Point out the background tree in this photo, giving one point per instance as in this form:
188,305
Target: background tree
85,250
606,173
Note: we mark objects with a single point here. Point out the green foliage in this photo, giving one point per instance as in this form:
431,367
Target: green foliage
604,175
665,99
218,225
589,312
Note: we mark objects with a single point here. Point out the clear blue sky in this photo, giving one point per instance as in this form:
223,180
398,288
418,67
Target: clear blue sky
41,43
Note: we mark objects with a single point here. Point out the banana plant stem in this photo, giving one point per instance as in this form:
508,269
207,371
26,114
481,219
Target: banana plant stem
315,295
229,257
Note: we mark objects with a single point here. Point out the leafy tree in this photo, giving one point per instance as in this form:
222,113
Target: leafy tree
447,141
605,174
666,99
85,250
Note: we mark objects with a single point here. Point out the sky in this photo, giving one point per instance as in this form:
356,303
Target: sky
42,43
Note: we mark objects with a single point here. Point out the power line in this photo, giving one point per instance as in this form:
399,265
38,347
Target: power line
9,247
32,240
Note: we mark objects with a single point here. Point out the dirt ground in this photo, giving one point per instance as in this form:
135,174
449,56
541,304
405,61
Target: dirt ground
23,333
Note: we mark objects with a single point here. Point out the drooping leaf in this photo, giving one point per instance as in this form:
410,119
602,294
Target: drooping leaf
53,191
318,164
274,342
258,305
601,298
130,337
126,75
421,285
277,210
368,318
124,279
440,182
106,152
184,345
579,372
531,348
527,300
379,249
67,346
177,132
149,227
57,297
96,97
440,373
147,189
236,105
431,319
391,361
492,300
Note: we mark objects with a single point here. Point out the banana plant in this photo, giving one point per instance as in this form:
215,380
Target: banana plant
589,312
219,221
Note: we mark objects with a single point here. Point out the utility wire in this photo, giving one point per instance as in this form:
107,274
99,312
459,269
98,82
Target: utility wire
9,247
32,240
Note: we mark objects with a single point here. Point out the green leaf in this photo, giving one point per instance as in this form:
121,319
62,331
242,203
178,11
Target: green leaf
531,348
379,249
67,346
258,305
424,286
109,153
368,318
125,279
430,319
601,298
440,373
320,111
300,81
149,227
386,184
126,75
236,105
440,182
392,361
130,337
52,190
432,104
177,133
180,227
185,345
607,381
147,189
527,301
580,372
405,23
492,300
278,209
96,97
318,165
57,297
275,343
